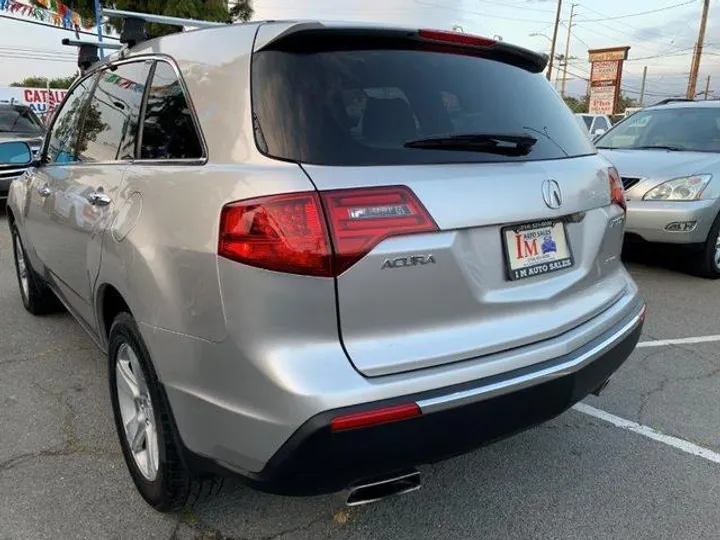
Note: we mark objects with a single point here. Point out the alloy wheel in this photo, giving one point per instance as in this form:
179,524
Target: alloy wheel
136,410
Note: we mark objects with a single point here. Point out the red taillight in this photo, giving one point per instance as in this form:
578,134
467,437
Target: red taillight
617,191
287,233
458,38
362,218
375,417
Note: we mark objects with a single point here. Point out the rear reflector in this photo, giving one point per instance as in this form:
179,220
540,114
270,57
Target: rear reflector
375,417
458,38
289,233
643,314
617,191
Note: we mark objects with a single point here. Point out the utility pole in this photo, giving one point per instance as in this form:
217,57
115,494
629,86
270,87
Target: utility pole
695,66
567,49
707,87
554,40
98,22
642,87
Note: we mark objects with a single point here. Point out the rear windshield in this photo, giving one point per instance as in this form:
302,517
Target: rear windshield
15,119
359,107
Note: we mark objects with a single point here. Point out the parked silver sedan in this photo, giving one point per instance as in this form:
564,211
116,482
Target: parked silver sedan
669,159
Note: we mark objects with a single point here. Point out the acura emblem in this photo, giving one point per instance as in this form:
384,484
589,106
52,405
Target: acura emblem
552,194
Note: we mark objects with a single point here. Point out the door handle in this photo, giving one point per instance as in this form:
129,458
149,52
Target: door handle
44,190
98,198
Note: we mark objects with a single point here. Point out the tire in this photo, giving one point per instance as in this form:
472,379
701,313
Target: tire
161,476
707,259
36,296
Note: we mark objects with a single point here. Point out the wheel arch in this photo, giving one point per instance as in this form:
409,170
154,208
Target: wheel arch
110,303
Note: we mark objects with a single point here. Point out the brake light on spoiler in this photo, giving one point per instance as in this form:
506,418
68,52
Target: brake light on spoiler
460,38
318,234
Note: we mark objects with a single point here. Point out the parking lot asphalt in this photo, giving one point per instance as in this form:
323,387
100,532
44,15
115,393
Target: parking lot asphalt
62,475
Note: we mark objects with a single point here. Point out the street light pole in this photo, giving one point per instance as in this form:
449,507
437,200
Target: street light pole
554,40
567,49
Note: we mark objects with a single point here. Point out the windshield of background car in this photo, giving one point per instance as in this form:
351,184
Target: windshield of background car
19,120
359,107
695,129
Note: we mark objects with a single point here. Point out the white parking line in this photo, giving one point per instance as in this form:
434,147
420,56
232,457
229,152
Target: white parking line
650,433
680,341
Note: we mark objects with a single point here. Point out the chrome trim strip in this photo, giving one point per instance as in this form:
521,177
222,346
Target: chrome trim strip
464,397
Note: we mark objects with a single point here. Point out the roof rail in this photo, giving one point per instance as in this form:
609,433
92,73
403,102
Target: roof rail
672,100
133,32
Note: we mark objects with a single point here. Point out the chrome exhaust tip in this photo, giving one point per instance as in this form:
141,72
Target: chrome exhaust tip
381,489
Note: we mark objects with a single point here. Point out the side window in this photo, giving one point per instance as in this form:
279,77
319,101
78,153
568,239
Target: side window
601,123
63,135
110,124
168,129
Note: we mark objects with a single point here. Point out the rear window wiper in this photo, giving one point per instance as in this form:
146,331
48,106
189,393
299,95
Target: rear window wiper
505,144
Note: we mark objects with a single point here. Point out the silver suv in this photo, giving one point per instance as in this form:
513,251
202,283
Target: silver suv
326,254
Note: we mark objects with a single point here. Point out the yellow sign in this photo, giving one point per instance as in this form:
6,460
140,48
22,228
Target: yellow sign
608,55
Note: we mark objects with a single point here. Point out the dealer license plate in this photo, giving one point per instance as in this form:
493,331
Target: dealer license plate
534,249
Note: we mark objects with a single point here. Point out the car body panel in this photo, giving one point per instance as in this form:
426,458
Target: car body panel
649,219
464,306
294,379
71,247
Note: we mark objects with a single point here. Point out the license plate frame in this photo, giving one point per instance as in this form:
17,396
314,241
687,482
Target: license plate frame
543,266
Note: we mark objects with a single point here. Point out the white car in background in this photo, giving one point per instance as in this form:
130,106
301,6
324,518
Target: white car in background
596,124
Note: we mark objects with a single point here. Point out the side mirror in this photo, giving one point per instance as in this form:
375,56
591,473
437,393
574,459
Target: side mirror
15,153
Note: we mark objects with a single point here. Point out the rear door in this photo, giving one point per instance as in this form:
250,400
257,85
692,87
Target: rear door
88,194
520,247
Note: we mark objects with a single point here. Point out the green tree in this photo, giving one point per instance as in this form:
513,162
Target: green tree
574,104
43,82
205,10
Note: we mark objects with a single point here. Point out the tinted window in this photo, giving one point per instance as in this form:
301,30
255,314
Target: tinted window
695,129
110,124
63,137
359,107
168,128
601,123
19,119
588,121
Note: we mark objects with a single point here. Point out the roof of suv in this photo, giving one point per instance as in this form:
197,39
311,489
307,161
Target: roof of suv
686,104
272,30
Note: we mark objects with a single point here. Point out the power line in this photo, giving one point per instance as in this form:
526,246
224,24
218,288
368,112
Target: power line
516,6
658,10
462,10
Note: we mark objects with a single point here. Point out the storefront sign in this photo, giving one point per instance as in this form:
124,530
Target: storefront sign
606,79
602,99
40,100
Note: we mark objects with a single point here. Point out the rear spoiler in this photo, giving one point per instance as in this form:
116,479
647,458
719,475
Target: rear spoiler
319,36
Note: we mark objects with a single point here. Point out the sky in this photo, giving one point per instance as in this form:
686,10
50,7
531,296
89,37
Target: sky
661,34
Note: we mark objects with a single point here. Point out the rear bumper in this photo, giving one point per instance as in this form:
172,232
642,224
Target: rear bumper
454,421
650,220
